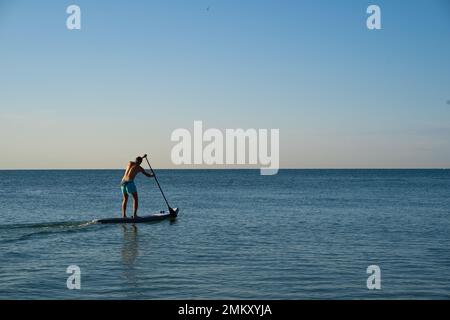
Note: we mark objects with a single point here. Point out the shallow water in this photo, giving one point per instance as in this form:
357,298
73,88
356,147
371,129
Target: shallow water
302,234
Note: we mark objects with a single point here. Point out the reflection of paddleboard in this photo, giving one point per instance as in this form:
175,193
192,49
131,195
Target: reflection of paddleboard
153,217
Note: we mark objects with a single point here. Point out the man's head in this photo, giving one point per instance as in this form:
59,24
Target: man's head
139,160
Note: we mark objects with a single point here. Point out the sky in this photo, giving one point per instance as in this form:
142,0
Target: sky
341,95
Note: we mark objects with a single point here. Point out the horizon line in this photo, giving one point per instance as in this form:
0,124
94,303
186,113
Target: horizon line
325,168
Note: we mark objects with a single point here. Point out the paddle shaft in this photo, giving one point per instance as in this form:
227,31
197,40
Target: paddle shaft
156,179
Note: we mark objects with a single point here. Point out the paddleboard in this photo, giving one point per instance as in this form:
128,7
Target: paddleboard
140,219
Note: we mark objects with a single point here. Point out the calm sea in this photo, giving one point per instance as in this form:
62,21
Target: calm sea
302,234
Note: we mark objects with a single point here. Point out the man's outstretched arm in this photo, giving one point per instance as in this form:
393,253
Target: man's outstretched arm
150,175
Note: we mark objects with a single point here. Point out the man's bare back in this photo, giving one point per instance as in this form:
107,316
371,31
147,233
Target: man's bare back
131,171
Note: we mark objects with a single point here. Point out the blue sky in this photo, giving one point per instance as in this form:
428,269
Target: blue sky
341,95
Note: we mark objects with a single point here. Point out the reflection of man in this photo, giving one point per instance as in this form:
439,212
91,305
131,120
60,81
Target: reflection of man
128,187
130,249
130,252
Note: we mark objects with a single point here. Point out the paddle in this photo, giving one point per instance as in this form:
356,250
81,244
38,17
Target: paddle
172,211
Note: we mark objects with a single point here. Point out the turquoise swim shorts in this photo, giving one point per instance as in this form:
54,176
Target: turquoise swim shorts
128,187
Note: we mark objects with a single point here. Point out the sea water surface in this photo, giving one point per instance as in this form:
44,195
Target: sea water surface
301,234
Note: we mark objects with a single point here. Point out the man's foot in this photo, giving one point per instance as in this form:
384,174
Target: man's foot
124,217
135,216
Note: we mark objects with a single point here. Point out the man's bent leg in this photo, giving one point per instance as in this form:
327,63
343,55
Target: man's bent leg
135,204
124,205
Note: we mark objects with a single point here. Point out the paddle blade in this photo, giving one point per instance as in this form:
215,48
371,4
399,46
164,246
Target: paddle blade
173,212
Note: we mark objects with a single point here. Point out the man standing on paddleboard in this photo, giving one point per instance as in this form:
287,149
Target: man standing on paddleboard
128,187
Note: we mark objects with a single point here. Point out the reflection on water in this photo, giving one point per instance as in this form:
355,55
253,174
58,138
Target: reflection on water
130,252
